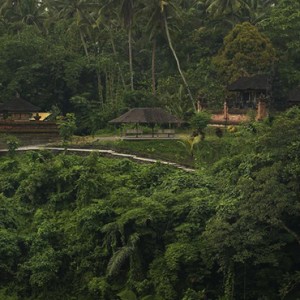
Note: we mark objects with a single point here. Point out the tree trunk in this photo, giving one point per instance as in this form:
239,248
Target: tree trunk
115,54
153,67
229,282
177,61
84,45
130,56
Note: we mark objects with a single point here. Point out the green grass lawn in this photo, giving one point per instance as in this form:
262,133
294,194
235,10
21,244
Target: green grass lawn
205,153
169,150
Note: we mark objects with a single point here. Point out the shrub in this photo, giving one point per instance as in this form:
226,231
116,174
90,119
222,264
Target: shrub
12,143
199,122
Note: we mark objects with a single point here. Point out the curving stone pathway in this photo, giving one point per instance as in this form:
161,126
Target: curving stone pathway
105,152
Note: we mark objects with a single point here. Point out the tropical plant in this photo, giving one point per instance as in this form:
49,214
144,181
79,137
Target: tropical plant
224,7
67,127
12,143
199,122
189,142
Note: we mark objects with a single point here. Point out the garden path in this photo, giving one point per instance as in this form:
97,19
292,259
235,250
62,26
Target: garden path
107,153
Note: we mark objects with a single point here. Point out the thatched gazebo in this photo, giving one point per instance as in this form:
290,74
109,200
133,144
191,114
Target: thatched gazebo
18,109
249,90
149,116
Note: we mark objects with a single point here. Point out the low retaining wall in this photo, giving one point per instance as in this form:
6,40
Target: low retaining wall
232,119
29,132
28,127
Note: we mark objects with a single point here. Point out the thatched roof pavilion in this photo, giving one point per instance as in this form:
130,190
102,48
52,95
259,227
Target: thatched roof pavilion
259,83
18,105
249,90
146,116
17,109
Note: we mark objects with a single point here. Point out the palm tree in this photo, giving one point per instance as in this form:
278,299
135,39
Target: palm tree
154,26
256,11
126,13
78,12
239,10
224,7
107,19
9,4
30,12
189,142
80,17
123,254
165,8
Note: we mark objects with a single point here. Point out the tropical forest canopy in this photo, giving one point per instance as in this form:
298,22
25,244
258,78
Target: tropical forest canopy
89,227
98,58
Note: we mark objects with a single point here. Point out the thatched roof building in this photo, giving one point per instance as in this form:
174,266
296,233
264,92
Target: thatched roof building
18,105
17,109
294,97
146,116
248,91
259,83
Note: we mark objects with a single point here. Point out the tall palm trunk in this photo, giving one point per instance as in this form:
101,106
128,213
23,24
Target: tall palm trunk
153,66
115,54
84,45
177,60
130,55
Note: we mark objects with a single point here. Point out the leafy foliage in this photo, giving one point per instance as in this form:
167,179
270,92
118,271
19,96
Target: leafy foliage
97,58
199,122
12,143
246,51
67,127
95,228
104,228
97,222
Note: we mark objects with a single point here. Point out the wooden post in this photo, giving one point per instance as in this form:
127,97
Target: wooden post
225,110
261,109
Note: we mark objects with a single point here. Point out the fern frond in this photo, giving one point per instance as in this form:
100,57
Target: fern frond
118,259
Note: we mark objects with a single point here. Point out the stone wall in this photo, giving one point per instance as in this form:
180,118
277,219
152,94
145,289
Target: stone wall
29,132
230,119
27,127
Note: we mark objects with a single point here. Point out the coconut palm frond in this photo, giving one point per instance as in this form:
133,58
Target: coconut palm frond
118,259
120,256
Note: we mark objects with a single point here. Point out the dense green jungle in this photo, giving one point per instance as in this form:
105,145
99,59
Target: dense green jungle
98,58
90,227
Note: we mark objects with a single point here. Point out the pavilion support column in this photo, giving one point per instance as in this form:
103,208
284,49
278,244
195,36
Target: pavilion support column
225,111
261,109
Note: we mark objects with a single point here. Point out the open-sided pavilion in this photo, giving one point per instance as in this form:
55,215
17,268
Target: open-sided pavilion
149,116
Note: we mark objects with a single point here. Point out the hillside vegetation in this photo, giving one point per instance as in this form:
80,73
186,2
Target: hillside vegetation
77,227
